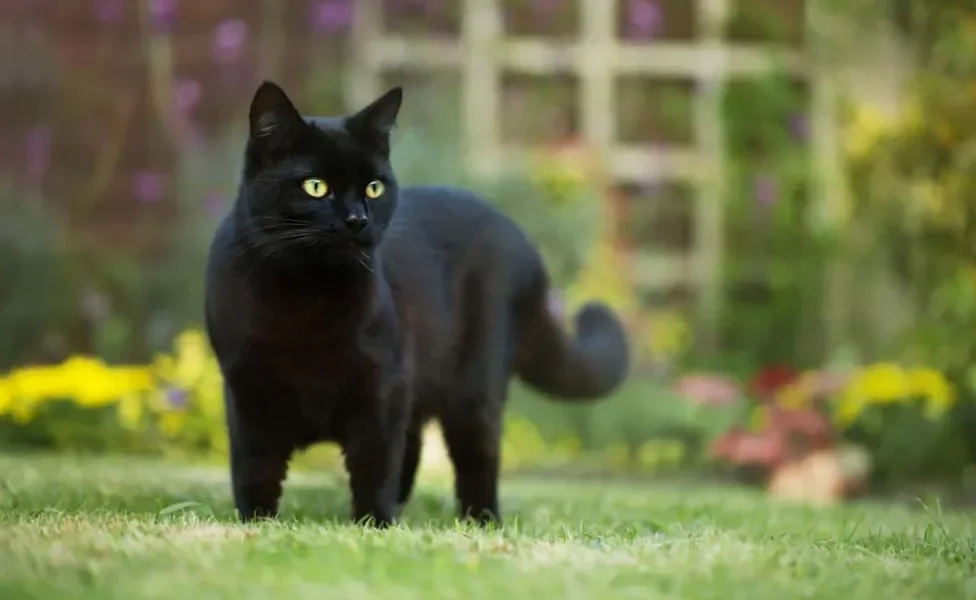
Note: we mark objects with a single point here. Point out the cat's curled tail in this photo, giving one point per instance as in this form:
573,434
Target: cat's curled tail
588,365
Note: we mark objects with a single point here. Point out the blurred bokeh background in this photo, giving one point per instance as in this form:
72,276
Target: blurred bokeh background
778,195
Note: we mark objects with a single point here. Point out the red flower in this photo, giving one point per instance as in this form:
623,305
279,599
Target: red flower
807,425
766,449
770,379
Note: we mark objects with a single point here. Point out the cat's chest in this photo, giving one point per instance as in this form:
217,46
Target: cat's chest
308,330
311,366
315,331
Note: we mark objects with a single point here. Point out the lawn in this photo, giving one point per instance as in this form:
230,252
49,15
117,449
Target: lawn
124,528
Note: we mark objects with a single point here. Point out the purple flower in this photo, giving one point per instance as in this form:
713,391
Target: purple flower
37,151
765,190
186,94
177,397
644,19
331,16
162,13
149,187
229,39
799,126
215,202
109,11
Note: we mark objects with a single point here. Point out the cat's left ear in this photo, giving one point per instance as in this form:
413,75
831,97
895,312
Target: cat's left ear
378,119
273,117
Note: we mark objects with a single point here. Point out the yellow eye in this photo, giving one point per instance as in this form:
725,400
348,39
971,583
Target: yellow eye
315,188
375,189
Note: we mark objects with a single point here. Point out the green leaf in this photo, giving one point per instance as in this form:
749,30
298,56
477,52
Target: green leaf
179,507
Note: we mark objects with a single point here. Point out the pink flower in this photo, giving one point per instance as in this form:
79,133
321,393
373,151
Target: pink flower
186,94
162,13
709,390
229,40
645,19
331,16
148,186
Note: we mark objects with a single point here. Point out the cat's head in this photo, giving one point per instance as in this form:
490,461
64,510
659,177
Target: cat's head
322,185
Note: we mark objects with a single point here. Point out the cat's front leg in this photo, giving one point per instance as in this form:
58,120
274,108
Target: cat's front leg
259,456
374,447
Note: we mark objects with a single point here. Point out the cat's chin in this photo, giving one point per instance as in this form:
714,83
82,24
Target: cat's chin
349,254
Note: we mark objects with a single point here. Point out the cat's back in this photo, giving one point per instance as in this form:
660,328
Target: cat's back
454,223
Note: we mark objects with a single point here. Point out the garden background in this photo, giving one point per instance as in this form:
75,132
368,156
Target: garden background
776,194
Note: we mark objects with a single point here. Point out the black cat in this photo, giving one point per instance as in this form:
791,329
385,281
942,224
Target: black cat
344,308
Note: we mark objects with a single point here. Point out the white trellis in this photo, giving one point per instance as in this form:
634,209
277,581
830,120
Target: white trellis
483,54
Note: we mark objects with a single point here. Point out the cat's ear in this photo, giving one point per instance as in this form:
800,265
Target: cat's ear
273,118
378,119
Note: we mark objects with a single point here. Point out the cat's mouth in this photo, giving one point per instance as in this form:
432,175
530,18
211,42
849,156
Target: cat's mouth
363,239
350,254
359,242
355,248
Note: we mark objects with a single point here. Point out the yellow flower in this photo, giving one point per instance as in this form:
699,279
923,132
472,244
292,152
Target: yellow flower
649,454
668,333
6,397
881,383
604,277
38,383
867,126
886,383
172,422
191,357
797,394
164,366
86,381
95,384
561,174
130,411
848,412
933,388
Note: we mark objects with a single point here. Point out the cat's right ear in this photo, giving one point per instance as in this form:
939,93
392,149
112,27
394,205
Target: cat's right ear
273,118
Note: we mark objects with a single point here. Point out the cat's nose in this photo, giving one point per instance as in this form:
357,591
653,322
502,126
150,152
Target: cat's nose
357,222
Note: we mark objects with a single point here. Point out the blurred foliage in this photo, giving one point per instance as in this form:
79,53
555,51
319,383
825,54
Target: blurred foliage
912,180
175,406
37,303
904,419
775,258
907,418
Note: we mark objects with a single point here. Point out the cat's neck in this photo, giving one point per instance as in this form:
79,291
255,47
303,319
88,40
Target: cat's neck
295,270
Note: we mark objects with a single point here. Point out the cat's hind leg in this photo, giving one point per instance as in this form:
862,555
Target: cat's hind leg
472,420
411,462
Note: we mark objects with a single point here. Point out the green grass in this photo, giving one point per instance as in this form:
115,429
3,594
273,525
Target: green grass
121,528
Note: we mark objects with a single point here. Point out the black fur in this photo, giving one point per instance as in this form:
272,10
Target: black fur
328,330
